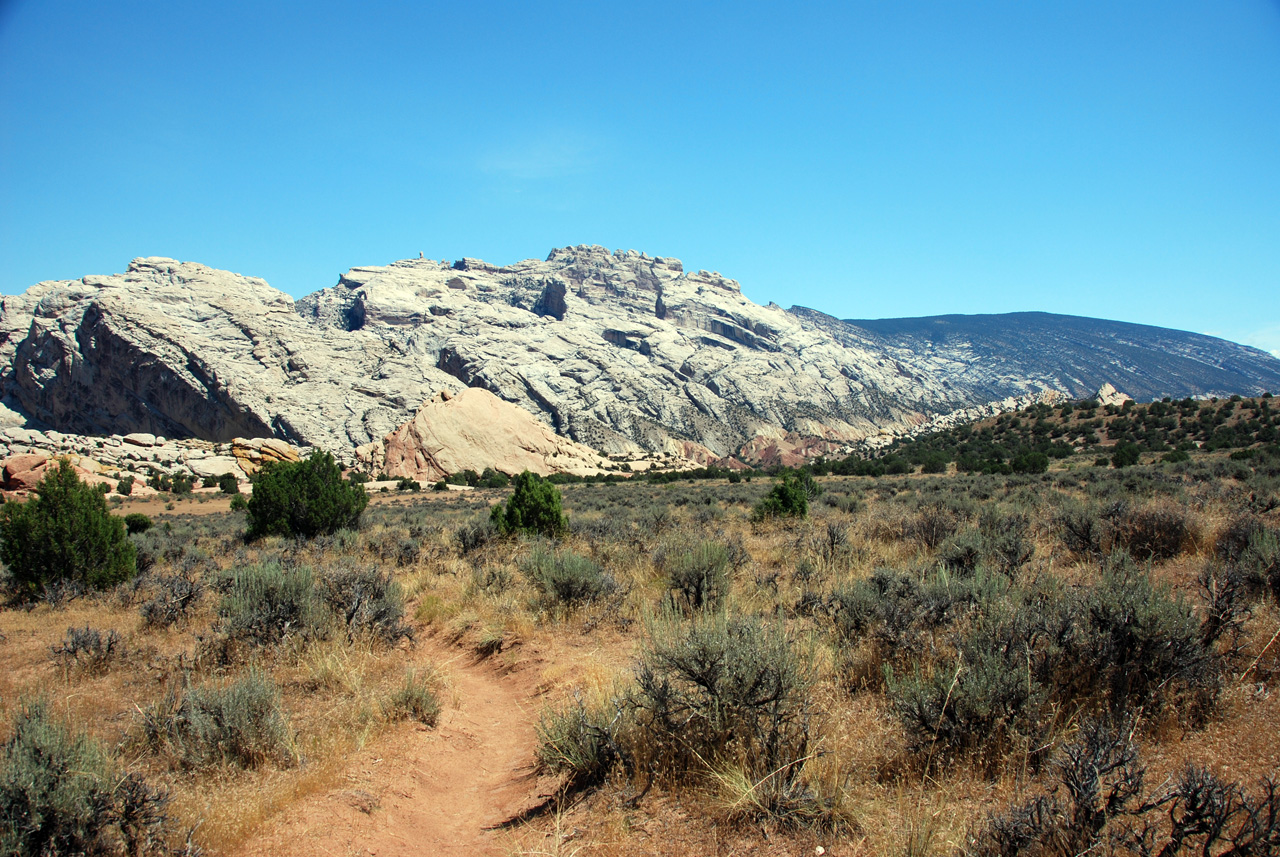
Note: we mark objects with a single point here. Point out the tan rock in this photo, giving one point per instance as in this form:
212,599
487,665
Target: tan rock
253,453
475,430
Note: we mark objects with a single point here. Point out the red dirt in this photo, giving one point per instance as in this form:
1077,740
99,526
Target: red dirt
427,791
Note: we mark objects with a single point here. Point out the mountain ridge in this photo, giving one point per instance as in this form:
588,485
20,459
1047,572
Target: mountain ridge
624,352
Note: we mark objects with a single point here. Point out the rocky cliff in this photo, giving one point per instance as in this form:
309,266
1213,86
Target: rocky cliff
621,351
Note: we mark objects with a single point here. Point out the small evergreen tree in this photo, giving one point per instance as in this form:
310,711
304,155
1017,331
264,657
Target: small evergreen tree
787,499
304,499
1125,454
534,507
62,533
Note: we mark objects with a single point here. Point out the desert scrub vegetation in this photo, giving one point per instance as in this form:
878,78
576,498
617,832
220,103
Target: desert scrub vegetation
566,579
61,793
534,508
239,722
1098,801
303,499
63,535
915,654
718,699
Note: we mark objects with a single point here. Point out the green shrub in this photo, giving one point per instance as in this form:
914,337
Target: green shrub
934,462
61,794
267,602
583,742
228,484
787,499
565,578
699,577
1019,658
1030,462
493,479
125,486
414,700
1260,561
1125,454
64,534
304,499
1138,645
136,522
367,600
724,690
239,723
534,508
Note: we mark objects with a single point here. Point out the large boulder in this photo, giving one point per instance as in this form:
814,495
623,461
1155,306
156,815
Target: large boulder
475,430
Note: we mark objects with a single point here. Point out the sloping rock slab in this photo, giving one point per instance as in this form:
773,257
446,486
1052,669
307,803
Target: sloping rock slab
474,430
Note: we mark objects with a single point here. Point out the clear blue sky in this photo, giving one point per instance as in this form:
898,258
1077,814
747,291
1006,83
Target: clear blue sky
1113,159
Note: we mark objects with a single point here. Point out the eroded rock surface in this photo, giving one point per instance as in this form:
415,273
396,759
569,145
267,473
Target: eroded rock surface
623,352
475,430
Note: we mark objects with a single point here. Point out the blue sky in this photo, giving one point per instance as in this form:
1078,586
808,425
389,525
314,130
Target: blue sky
1119,160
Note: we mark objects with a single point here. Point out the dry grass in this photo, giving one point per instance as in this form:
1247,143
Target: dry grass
884,800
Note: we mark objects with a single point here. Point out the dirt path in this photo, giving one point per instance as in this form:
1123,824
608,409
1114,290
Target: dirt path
427,791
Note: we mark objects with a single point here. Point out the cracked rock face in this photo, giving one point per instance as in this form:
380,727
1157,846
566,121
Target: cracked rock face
622,352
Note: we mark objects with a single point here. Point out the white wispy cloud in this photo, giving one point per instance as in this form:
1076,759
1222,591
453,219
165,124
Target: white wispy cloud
548,154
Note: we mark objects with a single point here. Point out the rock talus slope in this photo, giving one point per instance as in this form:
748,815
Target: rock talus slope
620,351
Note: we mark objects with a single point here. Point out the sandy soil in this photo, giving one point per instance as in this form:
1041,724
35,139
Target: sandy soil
420,791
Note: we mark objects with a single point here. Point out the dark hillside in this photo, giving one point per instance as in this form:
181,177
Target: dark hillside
1077,354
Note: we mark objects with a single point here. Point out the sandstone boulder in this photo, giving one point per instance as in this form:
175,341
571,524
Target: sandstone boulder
475,430
24,472
253,453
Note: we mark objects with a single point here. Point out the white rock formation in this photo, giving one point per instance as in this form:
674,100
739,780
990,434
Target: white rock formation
1109,395
623,352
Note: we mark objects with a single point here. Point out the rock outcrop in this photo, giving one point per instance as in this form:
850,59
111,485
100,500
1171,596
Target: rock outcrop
623,352
140,454
1109,395
475,430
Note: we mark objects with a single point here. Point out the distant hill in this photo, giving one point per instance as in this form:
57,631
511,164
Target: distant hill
1078,354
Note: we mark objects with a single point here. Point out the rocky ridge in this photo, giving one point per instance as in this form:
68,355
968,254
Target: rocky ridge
623,352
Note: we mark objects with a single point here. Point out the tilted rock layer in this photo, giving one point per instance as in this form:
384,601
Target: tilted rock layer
622,352
475,430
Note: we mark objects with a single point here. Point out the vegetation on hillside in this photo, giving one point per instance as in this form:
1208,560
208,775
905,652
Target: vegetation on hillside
1077,660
